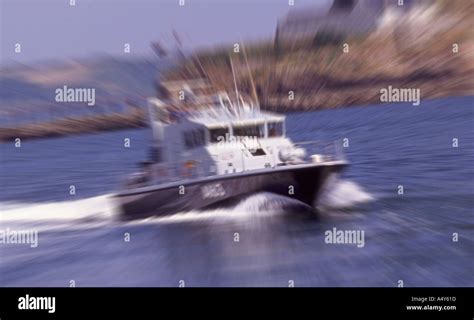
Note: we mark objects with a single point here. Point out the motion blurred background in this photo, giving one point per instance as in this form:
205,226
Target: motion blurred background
329,53
335,56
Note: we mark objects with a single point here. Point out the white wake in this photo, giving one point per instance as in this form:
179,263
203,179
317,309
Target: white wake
99,210
343,194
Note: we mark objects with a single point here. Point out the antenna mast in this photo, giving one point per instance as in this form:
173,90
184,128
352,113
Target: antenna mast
251,78
235,82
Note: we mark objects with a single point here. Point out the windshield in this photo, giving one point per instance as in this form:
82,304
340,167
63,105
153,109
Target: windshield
275,129
249,131
218,134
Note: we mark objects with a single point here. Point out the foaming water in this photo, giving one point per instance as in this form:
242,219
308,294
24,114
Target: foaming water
89,212
266,202
343,194
262,204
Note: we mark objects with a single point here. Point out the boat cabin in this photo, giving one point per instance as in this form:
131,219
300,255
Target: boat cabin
214,136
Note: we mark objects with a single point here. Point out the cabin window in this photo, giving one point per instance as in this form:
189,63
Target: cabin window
156,154
218,134
249,131
275,129
194,138
257,152
199,139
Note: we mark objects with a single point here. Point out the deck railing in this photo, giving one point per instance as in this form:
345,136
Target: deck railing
328,151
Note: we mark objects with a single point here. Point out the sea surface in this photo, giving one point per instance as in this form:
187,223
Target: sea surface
423,237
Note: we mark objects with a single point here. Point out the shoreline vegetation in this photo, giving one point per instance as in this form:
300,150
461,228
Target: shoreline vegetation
433,53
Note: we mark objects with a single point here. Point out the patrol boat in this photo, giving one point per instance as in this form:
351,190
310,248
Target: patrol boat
209,150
